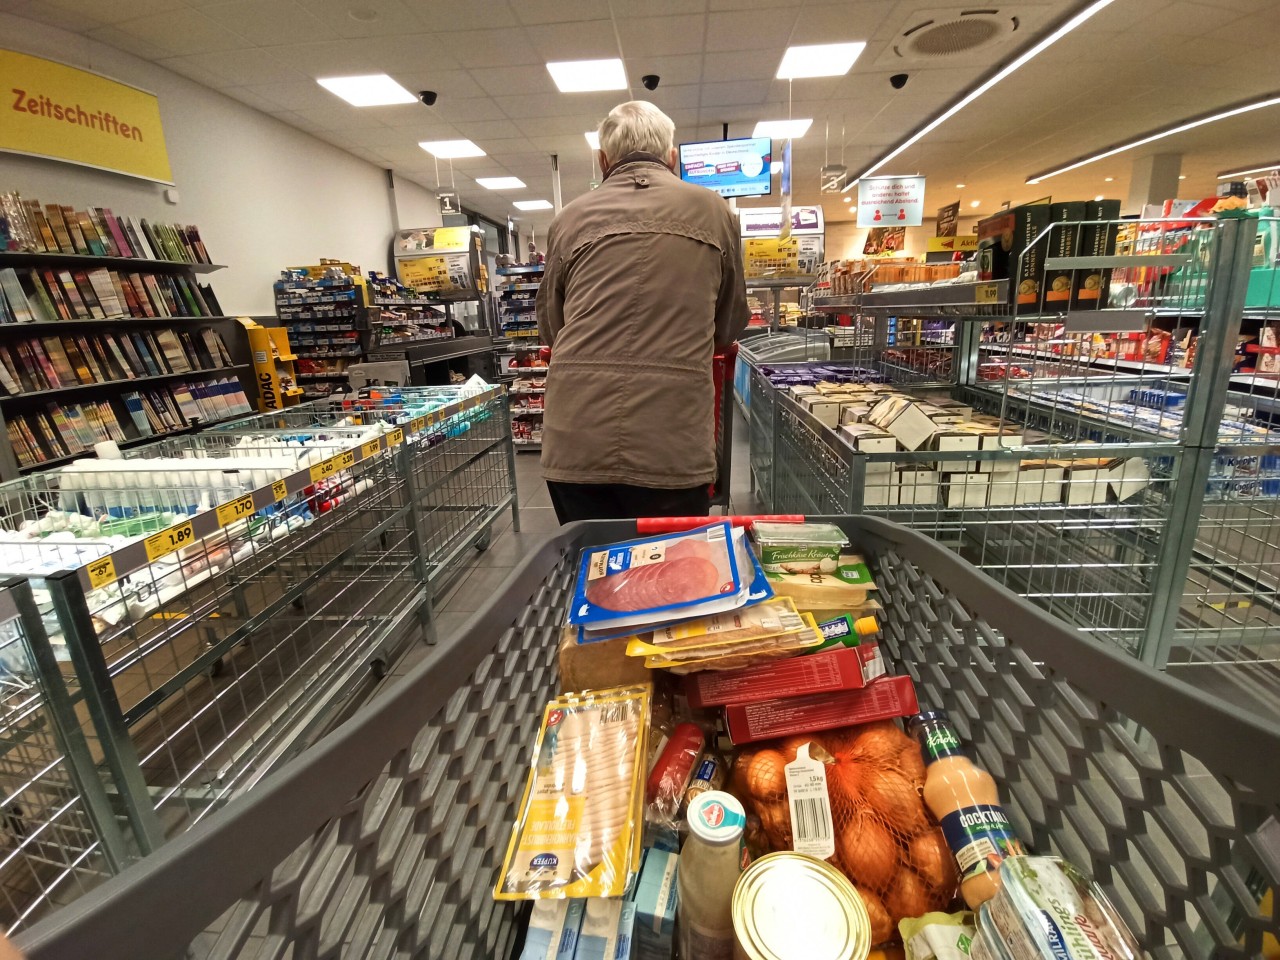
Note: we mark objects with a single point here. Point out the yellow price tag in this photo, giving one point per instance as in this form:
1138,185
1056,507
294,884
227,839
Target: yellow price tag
166,541
396,436
418,424
324,469
237,509
346,460
986,293
279,490
101,572
370,449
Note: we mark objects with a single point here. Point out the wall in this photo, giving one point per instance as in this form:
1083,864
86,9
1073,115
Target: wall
845,239
264,195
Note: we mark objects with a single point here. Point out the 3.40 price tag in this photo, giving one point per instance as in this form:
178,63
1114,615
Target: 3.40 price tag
237,509
167,541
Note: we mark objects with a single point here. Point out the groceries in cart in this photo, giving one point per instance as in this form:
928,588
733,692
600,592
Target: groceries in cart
793,798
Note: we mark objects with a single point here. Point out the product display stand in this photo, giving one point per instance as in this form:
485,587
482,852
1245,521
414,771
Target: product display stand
326,311
519,350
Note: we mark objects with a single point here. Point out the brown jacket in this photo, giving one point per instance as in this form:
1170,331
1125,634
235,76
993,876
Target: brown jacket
643,283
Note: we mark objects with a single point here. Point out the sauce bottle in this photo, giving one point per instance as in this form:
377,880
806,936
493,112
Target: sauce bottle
710,864
966,802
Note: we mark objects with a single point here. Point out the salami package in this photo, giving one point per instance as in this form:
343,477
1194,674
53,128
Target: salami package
694,573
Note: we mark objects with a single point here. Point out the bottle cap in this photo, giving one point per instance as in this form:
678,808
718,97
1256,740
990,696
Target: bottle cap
866,626
716,817
929,715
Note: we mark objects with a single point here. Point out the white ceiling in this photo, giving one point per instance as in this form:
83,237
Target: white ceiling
1137,65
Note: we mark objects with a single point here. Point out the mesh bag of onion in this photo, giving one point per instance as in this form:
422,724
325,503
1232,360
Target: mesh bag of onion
886,841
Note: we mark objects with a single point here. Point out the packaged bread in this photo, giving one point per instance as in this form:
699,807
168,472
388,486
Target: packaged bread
748,623
597,666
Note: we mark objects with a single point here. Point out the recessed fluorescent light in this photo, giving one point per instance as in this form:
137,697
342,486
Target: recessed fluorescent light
1098,198
374,90
451,149
1108,179
848,199
593,139
1011,67
819,60
960,186
532,204
1233,174
501,183
975,203
583,76
783,129
1184,176
1160,135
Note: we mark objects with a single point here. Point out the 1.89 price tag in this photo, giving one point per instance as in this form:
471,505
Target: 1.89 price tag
167,541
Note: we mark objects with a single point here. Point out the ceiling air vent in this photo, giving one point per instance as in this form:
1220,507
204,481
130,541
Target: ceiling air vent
936,34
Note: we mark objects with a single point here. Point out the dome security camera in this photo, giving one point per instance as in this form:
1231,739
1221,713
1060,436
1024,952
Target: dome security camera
651,81
898,80
428,97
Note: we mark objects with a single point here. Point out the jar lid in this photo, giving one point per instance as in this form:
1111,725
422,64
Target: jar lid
788,906
716,817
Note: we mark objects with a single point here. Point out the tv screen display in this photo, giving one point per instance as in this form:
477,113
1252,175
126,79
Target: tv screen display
732,168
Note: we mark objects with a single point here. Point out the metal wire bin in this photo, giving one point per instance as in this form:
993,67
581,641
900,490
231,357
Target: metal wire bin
383,840
216,602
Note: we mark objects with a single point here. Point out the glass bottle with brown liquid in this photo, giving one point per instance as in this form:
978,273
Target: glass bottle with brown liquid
966,802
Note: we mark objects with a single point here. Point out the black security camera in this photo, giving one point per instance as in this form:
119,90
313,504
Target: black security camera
898,81
428,97
651,81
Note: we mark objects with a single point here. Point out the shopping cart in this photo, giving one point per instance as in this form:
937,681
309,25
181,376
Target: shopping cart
722,372
383,840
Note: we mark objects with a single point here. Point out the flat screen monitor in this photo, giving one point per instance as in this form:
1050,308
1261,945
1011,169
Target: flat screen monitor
732,168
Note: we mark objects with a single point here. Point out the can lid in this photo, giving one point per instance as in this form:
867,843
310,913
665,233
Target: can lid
716,817
788,906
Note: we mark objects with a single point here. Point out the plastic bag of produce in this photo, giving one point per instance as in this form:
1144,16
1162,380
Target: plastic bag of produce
883,838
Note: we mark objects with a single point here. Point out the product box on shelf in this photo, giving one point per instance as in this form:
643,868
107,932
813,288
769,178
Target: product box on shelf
881,488
1129,478
1036,481
918,487
1090,287
1006,251
882,699
965,489
826,410
1086,481
909,421
866,438
1064,241
854,411
837,669
655,899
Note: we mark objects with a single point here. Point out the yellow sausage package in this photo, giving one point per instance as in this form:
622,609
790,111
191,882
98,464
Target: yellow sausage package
578,829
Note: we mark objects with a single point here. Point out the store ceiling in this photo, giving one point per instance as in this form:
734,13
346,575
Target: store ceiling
1136,66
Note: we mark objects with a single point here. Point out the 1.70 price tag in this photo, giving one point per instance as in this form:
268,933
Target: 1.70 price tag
237,509
167,541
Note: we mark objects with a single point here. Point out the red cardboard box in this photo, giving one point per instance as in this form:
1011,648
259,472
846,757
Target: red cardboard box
841,668
882,699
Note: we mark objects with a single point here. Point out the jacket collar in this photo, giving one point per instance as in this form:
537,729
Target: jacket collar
634,158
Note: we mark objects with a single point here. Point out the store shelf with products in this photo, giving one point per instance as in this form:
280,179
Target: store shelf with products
330,325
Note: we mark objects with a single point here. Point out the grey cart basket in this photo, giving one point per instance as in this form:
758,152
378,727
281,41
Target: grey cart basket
383,840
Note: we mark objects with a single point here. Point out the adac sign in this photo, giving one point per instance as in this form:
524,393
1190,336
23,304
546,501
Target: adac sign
64,113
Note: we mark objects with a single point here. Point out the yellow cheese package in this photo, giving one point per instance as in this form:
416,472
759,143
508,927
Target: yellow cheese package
578,828
845,588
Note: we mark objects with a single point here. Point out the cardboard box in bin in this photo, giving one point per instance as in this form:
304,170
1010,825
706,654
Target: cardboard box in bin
1090,288
1005,252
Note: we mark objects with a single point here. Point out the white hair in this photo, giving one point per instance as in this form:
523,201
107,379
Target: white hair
636,127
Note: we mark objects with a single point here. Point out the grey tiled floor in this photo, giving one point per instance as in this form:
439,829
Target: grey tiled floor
486,570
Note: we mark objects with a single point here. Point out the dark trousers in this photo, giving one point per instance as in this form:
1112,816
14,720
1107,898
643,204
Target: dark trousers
617,501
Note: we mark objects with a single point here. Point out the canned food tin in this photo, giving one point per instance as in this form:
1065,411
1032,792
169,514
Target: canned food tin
788,906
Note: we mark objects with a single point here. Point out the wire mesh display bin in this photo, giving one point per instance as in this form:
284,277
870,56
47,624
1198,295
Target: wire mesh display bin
384,840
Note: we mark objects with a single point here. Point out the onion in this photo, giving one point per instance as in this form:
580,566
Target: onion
868,851
879,742
775,818
895,799
764,778
911,763
881,922
908,897
934,861
844,784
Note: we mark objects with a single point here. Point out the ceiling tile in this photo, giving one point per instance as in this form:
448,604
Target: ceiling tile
560,11
130,43
841,22
530,78
671,70
193,71
271,22
487,130
412,51
734,31
183,32
475,108
662,36
663,8
251,99
82,13
451,85
365,18
585,40
729,67
448,16
563,126
509,46
724,94
672,98
244,67
583,106
306,95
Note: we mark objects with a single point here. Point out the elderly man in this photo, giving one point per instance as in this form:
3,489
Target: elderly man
643,284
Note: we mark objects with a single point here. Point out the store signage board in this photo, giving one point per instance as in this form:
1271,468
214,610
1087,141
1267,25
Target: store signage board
410,243
952,244
891,201
784,226
449,203
767,221
63,113
833,178
766,258
948,220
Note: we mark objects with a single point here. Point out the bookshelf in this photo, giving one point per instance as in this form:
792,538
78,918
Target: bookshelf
106,333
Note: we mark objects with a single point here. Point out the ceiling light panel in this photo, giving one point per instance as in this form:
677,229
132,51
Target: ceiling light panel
501,183
451,149
374,90
585,76
1233,174
532,204
593,139
819,60
783,129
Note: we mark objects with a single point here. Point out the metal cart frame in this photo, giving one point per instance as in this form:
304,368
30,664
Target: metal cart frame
382,840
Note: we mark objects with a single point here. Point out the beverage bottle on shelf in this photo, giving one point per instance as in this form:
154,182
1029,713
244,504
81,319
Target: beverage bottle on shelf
710,864
966,802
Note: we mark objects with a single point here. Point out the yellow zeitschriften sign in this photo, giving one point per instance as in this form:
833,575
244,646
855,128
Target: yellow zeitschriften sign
64,113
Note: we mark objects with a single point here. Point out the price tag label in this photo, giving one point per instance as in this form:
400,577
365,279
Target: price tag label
986,293
395,437
237,509
279,490
811,827
346,460
431,419
324,469
370,449
166,541
101,572
417,424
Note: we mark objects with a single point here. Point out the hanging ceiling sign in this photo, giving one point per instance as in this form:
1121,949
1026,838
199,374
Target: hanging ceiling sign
948,220
833,178
63,113
767,221
448,203
784,225
891,201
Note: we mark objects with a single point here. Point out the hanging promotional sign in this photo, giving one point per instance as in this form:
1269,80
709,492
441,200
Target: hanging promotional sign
885,241
449,203
953,244
64,113
948,220
770,258
785,226
891,201
833,178
767,221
